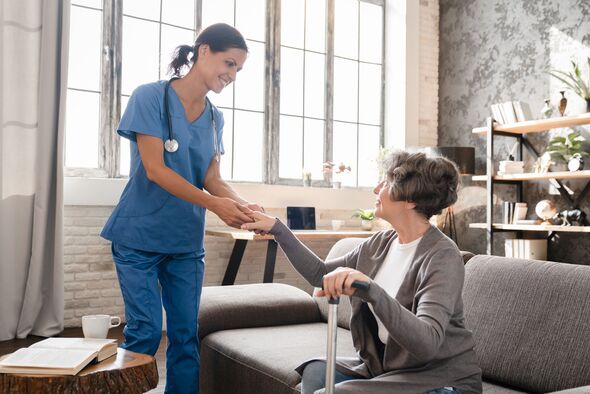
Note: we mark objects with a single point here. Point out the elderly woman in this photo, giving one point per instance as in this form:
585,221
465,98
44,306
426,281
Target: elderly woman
408,326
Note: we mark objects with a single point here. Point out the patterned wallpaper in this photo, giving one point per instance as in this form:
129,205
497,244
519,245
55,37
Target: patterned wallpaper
499,50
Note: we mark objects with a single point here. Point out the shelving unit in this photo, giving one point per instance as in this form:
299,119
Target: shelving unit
520,131
533,227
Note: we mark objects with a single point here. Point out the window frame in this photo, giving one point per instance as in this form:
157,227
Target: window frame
273,93
110,93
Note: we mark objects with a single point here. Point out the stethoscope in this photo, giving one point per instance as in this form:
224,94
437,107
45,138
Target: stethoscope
171,145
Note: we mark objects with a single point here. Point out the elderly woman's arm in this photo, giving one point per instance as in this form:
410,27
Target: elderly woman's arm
307,263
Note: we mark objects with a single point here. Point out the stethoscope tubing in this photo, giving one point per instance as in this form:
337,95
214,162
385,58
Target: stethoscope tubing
171,145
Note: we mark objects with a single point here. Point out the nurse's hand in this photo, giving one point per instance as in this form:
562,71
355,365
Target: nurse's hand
255,207
262,223
231,212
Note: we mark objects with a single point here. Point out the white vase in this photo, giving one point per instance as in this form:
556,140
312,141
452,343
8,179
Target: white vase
367,225
336,185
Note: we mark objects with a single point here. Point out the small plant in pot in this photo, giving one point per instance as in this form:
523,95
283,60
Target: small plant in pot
568,150
575,81
366,216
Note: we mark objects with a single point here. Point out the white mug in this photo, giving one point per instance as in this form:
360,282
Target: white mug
97,326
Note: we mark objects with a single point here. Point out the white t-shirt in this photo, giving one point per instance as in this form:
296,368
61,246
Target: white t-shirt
392,273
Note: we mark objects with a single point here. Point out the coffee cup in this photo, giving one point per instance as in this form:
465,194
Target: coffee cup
97,326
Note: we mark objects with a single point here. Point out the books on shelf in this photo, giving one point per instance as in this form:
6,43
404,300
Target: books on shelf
514,212
522,111
511,112
58,356
497,113
535,249
508,112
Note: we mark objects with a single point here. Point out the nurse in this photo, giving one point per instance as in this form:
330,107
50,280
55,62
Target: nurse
157,229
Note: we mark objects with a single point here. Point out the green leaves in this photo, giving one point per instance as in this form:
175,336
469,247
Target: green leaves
564,148
364,214
574,80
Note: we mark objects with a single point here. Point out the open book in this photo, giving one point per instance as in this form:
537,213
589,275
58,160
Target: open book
58,356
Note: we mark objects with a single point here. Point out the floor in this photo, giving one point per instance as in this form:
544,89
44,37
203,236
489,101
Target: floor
114,333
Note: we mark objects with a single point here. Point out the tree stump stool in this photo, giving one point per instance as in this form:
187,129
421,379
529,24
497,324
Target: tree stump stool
128,372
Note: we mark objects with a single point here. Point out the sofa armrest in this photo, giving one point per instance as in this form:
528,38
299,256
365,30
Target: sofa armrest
466,255
255,305
575,390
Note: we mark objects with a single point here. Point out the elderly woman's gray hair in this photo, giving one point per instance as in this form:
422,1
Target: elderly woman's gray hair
431,183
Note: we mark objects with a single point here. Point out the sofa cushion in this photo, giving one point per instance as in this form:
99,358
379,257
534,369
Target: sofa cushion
263,360
530,321
490,388
254,305
340,248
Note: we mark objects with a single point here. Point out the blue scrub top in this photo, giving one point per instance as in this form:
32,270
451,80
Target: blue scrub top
147,217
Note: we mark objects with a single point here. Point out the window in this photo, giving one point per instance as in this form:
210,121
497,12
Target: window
358,68
280,117
302,106
242,103
83,104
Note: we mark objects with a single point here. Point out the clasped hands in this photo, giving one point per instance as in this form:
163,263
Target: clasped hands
233,213
335,283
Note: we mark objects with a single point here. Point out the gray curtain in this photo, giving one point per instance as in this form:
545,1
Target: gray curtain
33,84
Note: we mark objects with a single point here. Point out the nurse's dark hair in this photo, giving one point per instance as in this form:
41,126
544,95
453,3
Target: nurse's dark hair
219,37
431,183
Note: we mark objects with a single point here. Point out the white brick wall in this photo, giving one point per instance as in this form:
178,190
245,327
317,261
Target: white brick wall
91,284
90,281
428,110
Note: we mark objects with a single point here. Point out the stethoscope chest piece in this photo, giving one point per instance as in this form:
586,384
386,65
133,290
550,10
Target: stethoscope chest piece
171,145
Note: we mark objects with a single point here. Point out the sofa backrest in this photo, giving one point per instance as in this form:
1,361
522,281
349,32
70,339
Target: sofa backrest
340,248
530,320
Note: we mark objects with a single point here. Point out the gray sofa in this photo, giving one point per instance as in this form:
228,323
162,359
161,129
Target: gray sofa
530,320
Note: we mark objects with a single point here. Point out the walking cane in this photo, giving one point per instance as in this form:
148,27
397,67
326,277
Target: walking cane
332,330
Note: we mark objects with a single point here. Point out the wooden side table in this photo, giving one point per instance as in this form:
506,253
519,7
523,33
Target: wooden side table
127,372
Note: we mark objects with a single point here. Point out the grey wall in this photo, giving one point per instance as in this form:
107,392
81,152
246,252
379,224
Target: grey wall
499,50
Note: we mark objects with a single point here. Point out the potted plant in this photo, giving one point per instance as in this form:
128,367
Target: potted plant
575,82
306,178
568,150
337,171
366,216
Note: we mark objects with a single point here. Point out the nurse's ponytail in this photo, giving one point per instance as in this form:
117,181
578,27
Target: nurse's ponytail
219,37
181,59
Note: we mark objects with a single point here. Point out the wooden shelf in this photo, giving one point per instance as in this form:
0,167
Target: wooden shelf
533,176
533,227
535,126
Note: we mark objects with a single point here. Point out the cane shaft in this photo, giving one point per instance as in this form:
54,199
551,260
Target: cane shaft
331,353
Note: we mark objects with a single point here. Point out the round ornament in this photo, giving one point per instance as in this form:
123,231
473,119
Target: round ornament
545,209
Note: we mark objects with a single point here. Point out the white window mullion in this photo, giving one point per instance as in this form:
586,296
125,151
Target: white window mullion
329,105
110,99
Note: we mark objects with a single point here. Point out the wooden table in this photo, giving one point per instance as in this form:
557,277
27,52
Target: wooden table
242,237
127,372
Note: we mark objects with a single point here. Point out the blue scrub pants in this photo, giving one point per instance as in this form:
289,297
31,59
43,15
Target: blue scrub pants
181,279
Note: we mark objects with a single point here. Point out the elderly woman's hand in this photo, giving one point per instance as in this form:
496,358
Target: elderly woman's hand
339,282
262,223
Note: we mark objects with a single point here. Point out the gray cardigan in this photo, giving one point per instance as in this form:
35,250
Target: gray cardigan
429,346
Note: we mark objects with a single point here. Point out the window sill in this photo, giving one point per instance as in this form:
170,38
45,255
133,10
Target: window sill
106,192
